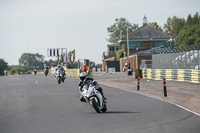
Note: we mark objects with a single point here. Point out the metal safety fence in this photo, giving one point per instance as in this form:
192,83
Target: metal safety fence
182,57
182,60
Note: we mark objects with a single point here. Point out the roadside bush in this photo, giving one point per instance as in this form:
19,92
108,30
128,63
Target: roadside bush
119,54
18,70
3,66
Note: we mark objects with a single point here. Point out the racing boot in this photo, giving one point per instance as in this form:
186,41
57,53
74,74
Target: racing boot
82,99
101,91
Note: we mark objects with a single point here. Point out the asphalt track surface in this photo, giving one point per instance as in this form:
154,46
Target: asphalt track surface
37,104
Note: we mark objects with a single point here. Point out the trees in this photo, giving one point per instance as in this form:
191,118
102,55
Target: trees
48,63
174,25
119,54
187,31
192,20
18,69
155,26
119,29
190,33
30,60
3,66
188,36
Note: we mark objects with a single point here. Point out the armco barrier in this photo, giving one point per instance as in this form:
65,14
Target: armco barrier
168,74
153,74
144,73
181,75
157,74
148,73
72,72
187,75
174,74
195,76
68,72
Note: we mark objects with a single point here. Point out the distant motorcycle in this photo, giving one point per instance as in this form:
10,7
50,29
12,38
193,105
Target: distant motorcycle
35,71
93,97
60,76
46,72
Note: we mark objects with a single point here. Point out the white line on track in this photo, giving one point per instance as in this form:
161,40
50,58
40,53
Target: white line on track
158,99
36,82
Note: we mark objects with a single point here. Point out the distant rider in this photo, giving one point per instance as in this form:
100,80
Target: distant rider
5,72
61,68
46,68
34,70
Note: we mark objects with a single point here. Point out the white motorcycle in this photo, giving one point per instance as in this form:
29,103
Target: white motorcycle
35,71
59,76
94,97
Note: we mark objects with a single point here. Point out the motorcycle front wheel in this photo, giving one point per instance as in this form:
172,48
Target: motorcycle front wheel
59,80
46,73
63,80
95,106
104,108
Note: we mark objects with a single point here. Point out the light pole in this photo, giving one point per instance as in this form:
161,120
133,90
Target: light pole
127,43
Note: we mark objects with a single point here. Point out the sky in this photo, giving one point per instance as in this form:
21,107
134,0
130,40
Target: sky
33,26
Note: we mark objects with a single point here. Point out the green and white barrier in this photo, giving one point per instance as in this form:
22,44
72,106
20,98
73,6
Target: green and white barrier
72,72
188,75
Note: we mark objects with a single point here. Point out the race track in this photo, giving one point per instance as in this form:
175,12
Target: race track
37,104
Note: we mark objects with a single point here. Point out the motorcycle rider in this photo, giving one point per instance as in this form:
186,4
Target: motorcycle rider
84,79
5,73
61,68
35,70
46,69
63,71
58,67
